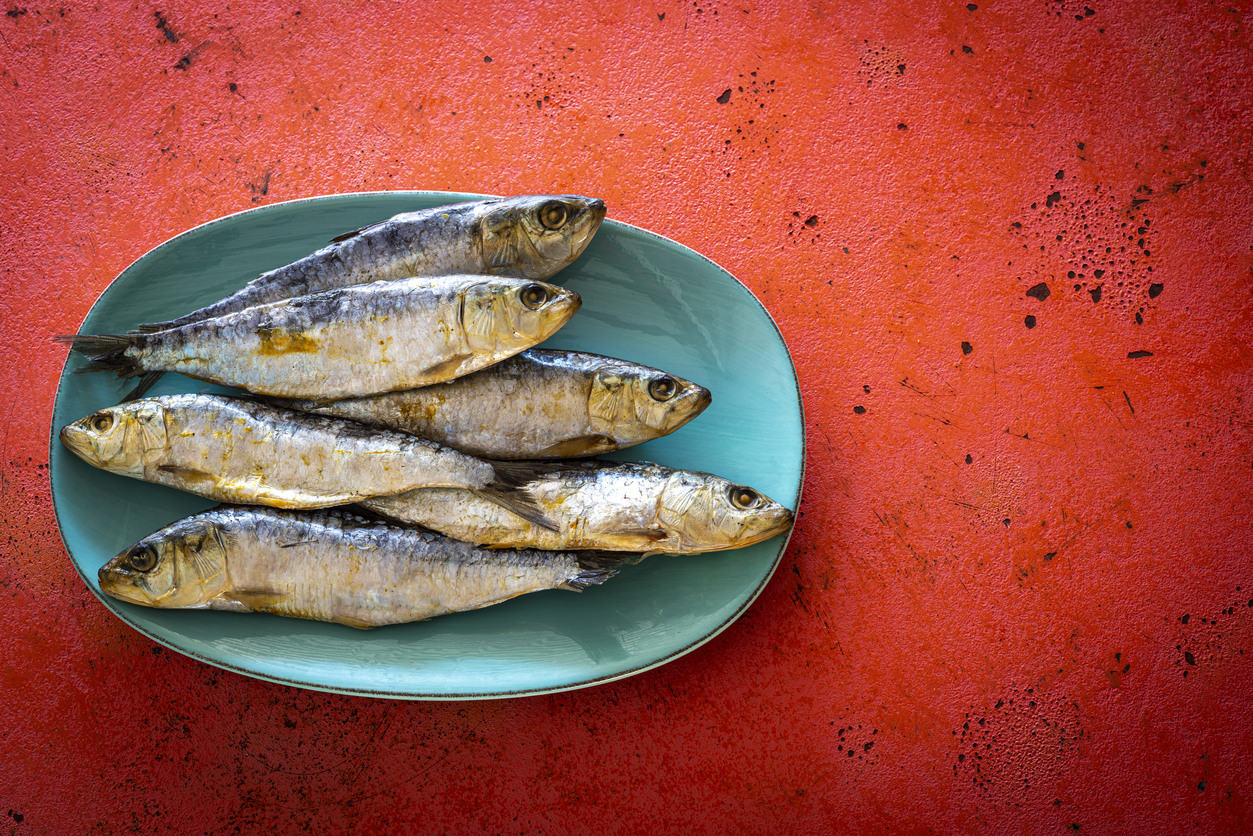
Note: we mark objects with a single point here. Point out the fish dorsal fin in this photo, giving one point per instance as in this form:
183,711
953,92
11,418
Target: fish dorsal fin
339,239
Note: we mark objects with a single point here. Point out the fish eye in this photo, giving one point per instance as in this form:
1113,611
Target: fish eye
102,422
144,559
534,296
553,214
744,498
663,388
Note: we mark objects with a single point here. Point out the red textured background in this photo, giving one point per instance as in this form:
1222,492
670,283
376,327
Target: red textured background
1019,598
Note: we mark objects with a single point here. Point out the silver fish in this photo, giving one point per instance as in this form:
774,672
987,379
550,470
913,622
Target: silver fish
615,506
241,451
350,342
530,236
331,566
537,404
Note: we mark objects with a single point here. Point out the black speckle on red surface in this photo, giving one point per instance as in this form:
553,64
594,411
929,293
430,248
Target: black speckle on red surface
164,26
1039,291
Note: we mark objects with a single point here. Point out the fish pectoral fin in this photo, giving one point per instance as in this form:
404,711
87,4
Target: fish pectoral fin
584,445
448,367
354,622
254,600
650,534
195,480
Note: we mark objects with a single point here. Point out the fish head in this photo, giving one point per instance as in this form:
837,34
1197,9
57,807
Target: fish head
181,566
121,439
513,314
636,403
534,236
709,513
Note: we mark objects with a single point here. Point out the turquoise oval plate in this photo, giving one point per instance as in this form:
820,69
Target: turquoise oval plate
645,298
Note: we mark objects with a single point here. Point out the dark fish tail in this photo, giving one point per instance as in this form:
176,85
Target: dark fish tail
517,500
145,383
107,352
509,489
597,567
520,473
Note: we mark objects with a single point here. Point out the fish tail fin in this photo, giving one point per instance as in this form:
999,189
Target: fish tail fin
519,501
520,473
145,383
596,567
509,489
107,352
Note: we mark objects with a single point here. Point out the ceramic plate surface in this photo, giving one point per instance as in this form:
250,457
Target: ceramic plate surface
645,298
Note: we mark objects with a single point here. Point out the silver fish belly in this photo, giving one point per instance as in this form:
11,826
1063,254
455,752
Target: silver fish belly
330,566
538,404
351,342
616,506
530,236
241,451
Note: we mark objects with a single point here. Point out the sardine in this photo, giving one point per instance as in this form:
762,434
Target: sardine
537,404
350,342
242,451
531,236
615,506
331,566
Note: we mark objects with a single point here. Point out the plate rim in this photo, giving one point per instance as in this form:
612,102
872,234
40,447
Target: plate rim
403,695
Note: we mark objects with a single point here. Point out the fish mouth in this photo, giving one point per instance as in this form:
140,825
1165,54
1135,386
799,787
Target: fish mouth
770,524
119,584
700,399
694,400
76,439
560,310
596,210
